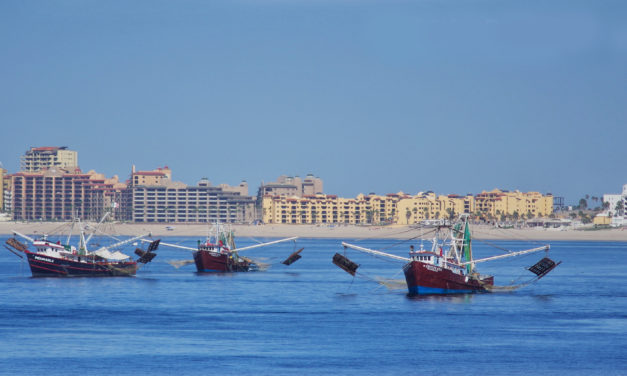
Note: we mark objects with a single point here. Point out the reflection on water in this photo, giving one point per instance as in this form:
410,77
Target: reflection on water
451,298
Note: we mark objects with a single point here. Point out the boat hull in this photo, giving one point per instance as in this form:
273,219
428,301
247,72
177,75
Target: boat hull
216,262
47,266
425,279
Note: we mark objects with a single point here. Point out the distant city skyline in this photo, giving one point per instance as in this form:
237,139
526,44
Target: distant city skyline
372,96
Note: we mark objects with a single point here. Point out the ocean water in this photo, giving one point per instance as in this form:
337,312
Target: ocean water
311,318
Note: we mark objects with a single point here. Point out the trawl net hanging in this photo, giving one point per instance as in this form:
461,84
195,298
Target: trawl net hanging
345,264
542,267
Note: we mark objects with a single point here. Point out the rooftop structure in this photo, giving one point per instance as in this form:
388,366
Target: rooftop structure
41,158
292,187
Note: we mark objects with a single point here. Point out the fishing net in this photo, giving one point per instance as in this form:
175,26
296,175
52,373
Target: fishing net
392,284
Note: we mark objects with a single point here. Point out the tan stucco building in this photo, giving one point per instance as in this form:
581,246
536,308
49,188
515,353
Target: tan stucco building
431,206
41,158
400,208
321,208
497,203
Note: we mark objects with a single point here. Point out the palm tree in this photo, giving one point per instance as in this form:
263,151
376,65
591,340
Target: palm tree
619,207
369,215
408,215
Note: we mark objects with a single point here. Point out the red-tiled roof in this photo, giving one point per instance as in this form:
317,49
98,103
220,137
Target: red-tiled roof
149,173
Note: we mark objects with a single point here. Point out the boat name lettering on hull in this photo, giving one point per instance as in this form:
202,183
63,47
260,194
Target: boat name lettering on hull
433,268
43,259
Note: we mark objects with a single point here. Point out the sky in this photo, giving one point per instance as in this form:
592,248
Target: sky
371,96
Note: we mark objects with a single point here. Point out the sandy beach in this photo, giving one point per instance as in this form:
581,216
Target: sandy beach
322,231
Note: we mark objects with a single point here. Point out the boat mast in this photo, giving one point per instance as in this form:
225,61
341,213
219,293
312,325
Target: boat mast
82,245
98,225
69,235
467,246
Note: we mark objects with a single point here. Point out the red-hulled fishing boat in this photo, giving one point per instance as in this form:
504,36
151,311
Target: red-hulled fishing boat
48,258
436,271
218,253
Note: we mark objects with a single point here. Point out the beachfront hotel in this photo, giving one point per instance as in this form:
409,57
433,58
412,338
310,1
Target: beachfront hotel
321,208
529,204
424,206
152,196
60,194
401,208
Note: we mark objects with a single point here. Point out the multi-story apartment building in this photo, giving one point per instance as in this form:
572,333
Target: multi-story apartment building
398,208
497,203
153,197
428,205
41,158
616,204
59,194
320,208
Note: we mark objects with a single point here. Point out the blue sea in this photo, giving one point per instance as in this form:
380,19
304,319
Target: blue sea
312,318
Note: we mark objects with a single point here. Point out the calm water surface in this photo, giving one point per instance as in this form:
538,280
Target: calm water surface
313,318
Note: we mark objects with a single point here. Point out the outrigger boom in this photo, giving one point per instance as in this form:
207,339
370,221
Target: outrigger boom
384,254
374,252
233,250
543,248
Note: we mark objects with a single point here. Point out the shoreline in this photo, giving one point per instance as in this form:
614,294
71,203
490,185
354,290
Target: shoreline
320,231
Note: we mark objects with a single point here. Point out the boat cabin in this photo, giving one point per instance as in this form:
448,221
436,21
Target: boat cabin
48,248
435,259
426,257
211,247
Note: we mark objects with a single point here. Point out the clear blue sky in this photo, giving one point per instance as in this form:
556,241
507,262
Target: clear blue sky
372,96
